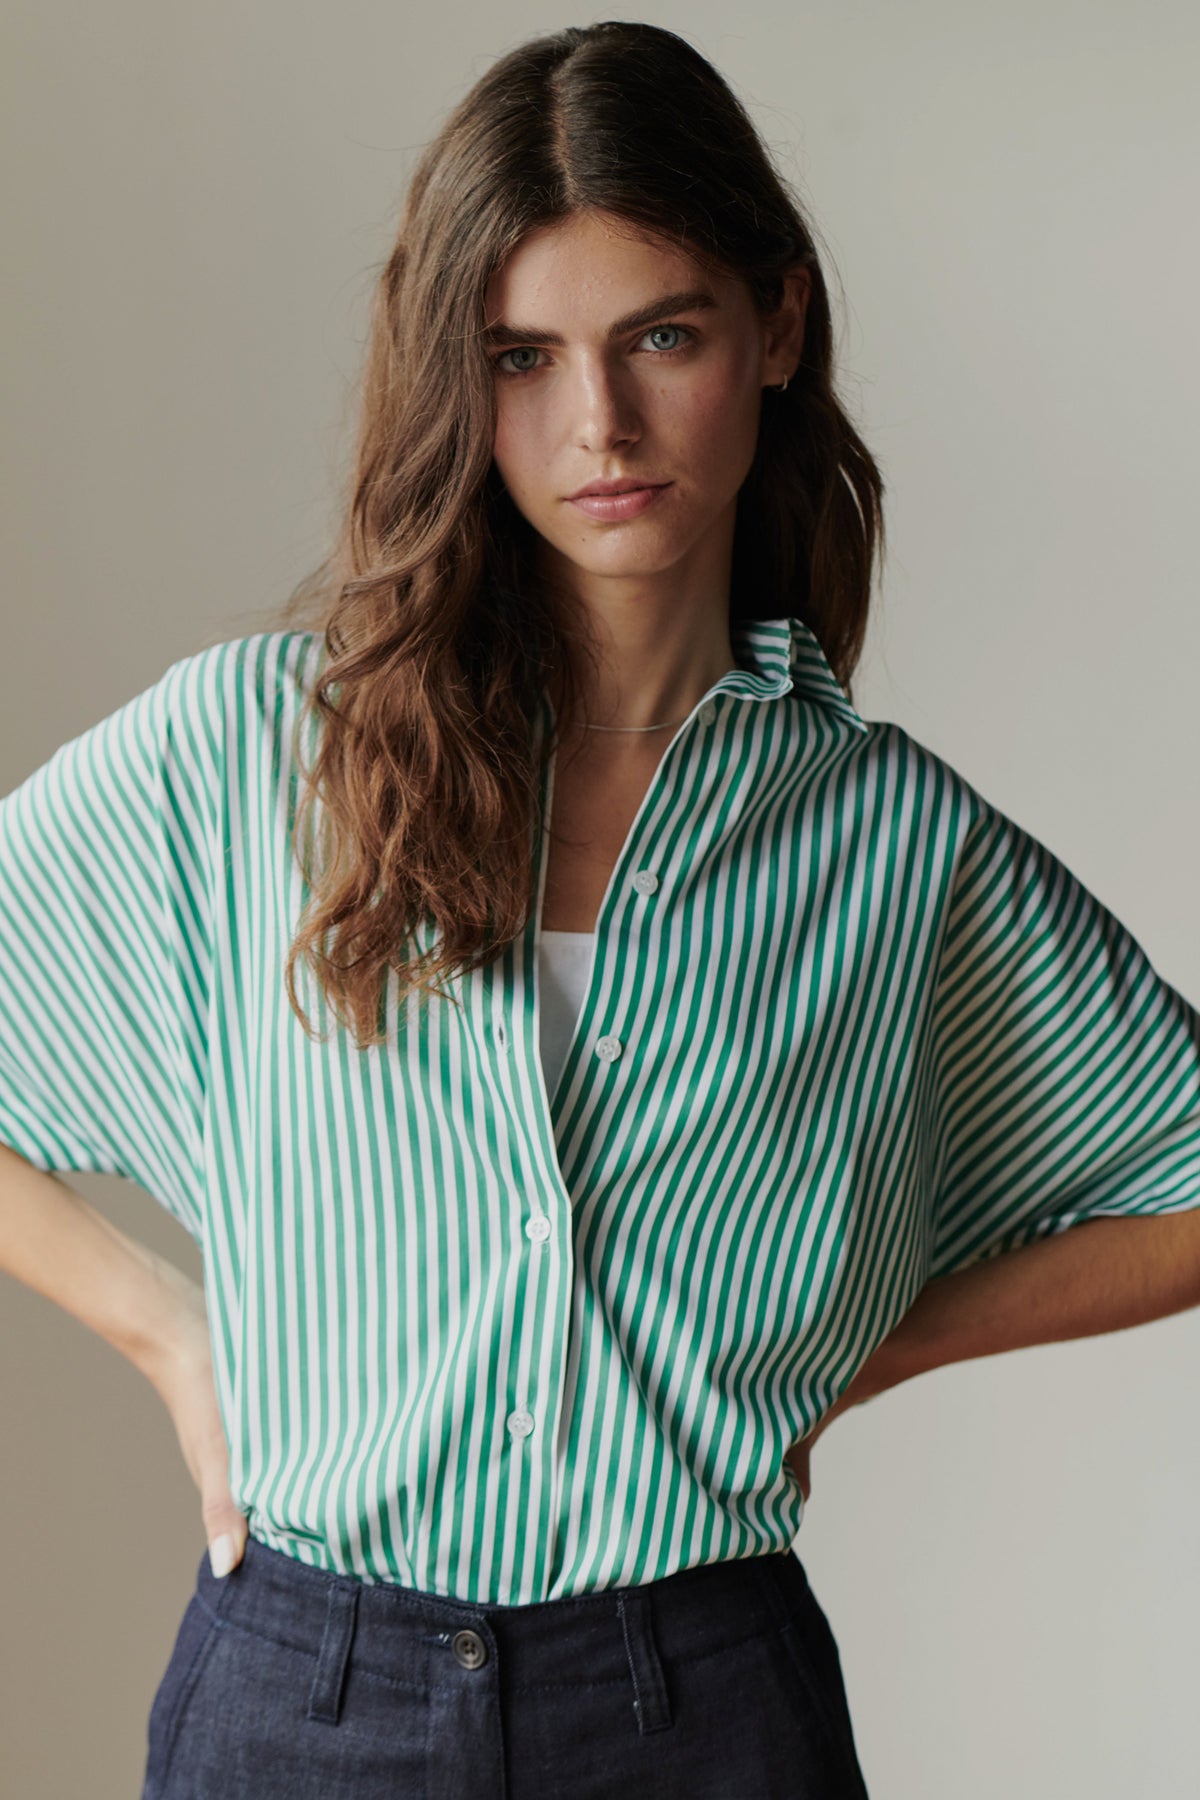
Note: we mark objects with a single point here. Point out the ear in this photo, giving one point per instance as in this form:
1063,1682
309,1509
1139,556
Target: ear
783,332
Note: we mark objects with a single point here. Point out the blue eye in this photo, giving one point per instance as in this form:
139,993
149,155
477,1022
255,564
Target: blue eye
522,350
655,330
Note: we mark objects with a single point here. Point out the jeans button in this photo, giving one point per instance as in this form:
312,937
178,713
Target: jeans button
469,1649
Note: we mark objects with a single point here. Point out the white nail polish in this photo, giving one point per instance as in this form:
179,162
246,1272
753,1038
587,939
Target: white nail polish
220,1554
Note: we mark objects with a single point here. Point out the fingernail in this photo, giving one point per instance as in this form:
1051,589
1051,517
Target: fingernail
221,1554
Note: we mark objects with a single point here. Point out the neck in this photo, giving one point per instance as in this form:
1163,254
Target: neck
653,663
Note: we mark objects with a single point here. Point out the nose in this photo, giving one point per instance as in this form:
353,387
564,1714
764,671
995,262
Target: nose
605,409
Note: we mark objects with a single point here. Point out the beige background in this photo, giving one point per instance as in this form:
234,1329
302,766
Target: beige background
195,199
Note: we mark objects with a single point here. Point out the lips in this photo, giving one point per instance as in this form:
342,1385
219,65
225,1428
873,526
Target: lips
622,485
619,500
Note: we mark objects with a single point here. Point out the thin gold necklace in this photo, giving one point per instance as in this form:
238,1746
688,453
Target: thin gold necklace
661,727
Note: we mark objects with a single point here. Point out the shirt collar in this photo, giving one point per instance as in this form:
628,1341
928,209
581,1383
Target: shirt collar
785,657
788,658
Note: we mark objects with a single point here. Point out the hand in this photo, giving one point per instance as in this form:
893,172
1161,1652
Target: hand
189,1391
865,1385
797,1457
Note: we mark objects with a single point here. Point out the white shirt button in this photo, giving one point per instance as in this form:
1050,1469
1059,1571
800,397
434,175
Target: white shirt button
609,1048
538,1229
708,712
645,881
520,1423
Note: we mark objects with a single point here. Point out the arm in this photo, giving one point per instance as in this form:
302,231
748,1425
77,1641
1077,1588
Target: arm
141,1304
1102,1275
54,1242
1099,1276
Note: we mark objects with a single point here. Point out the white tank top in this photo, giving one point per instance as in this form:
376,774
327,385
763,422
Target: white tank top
563,961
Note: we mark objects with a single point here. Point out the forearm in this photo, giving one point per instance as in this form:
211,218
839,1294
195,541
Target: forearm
1101,1276
54,1242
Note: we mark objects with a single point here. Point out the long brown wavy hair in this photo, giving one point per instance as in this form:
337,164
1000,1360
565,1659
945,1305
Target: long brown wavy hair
419,809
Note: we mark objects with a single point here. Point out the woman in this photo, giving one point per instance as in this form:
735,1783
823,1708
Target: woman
687,1051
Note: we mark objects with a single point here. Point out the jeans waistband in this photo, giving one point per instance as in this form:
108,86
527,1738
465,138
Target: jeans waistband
407,1635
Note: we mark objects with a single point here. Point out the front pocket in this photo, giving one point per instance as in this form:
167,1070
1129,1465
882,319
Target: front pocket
810,1682
824,1714
193,1645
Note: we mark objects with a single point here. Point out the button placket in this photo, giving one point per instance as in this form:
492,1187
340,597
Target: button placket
609,1047
520,1422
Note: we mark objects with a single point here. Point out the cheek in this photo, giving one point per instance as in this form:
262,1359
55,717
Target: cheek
519,448
717,421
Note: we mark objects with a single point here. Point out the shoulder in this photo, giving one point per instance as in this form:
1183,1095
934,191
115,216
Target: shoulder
1005,878
223,697
200,724
157,768
262,669
908,775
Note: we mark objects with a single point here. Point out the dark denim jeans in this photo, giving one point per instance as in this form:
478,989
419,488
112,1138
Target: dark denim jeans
287,1681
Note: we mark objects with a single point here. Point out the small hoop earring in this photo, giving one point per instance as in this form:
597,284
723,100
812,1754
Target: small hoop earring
780,386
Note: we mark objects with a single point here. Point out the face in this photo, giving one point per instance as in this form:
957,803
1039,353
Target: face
616,358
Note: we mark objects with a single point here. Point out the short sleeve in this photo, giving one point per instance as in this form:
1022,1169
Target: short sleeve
105,945
1065,1072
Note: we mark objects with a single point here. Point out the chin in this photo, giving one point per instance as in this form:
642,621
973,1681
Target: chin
620,554
624,568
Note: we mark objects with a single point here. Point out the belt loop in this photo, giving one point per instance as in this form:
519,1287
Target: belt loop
650,1701
325,1695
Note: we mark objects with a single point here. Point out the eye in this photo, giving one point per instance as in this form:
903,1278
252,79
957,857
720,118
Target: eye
522,350
670,349
528,350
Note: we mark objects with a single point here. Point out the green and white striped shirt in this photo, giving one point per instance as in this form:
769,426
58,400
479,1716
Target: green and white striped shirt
847,1027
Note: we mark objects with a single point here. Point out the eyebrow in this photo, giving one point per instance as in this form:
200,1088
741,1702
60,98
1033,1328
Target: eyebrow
687,300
